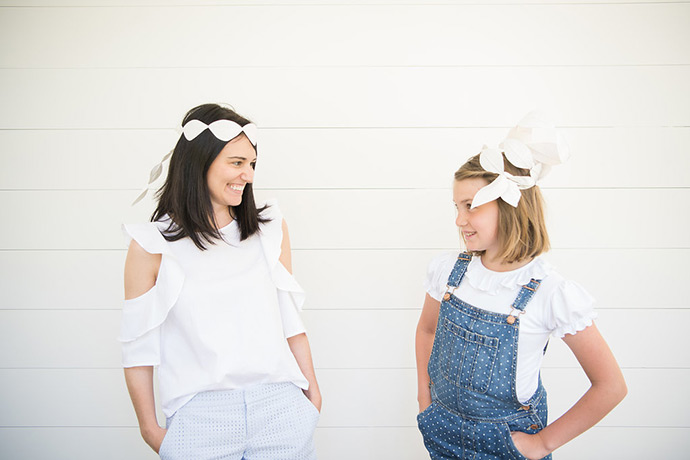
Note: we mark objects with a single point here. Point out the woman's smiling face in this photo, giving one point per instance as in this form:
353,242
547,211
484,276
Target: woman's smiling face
232,169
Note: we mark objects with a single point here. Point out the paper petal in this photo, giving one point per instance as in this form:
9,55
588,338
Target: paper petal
522,182
491,160
490,192
193,128
536,119
140,197
518,153
539,171
511,195
155,172
225,130
252,133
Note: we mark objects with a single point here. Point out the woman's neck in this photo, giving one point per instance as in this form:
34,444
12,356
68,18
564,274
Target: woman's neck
222,216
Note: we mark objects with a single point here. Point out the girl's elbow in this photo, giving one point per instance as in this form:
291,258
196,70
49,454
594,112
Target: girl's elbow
617,390
622,390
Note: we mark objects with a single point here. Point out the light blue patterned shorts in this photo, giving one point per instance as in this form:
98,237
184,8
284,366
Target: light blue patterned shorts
265,422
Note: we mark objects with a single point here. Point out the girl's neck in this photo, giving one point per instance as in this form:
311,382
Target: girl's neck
496,264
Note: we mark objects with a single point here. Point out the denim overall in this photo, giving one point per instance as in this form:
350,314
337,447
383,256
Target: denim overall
472,368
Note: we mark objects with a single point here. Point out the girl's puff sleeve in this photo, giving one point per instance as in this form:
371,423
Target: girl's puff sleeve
572,309
437,274
143,315
290,293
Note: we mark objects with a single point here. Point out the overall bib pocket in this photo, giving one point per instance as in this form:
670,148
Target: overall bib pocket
469,357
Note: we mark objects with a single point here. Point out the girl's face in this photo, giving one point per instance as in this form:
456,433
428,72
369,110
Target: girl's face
478,226
232,169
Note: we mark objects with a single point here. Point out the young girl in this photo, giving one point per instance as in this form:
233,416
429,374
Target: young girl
489,312
211,303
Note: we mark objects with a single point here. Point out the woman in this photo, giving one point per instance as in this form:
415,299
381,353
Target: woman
210,300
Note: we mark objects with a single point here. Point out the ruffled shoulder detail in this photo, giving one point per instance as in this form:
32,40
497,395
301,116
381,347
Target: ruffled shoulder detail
437,274
148,236
572,308
491,282
148,311
271,236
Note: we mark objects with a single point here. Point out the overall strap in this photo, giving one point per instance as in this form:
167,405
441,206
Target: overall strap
525,294
459,270
523,297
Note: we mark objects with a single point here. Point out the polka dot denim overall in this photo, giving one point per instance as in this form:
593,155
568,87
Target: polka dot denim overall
472,368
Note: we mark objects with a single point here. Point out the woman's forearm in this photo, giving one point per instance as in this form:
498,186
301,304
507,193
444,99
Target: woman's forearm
299,345
140,386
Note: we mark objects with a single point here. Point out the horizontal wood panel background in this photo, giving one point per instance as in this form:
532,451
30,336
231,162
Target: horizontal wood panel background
365,110
514,35
348,96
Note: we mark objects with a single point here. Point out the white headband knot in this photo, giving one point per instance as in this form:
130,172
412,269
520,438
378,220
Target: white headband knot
224,130
533,144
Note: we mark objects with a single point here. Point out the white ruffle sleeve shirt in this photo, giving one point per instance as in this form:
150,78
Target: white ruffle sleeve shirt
216,319
558,307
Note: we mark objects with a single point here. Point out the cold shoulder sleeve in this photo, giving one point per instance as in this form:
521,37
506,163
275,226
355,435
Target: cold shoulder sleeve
143,315
572,309
290,293
437,274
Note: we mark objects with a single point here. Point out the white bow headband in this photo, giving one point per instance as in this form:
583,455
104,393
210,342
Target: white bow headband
533,144
224,130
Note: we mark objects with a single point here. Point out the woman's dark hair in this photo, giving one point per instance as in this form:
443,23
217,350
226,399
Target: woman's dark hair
185,196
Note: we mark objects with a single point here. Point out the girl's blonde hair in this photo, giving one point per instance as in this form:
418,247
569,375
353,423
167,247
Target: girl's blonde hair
521,231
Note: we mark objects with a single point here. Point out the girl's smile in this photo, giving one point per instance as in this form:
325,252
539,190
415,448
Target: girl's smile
478,226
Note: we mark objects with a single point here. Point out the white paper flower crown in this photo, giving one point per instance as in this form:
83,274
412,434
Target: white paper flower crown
533,144
224,130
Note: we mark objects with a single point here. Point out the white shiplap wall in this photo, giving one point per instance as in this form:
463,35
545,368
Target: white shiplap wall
366,109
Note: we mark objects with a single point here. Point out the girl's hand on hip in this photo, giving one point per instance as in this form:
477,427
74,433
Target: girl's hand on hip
529,445
154,437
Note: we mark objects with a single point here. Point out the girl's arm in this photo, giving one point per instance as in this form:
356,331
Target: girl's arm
606,391
141,272
299,344
424,340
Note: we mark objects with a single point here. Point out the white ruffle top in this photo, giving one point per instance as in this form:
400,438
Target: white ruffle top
216,319
559,306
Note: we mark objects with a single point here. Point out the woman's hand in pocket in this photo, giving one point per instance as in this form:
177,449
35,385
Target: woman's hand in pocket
154,437
530,445
314,396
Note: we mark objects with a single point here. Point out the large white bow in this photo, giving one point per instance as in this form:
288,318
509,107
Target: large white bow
224,130
533,144
506,186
